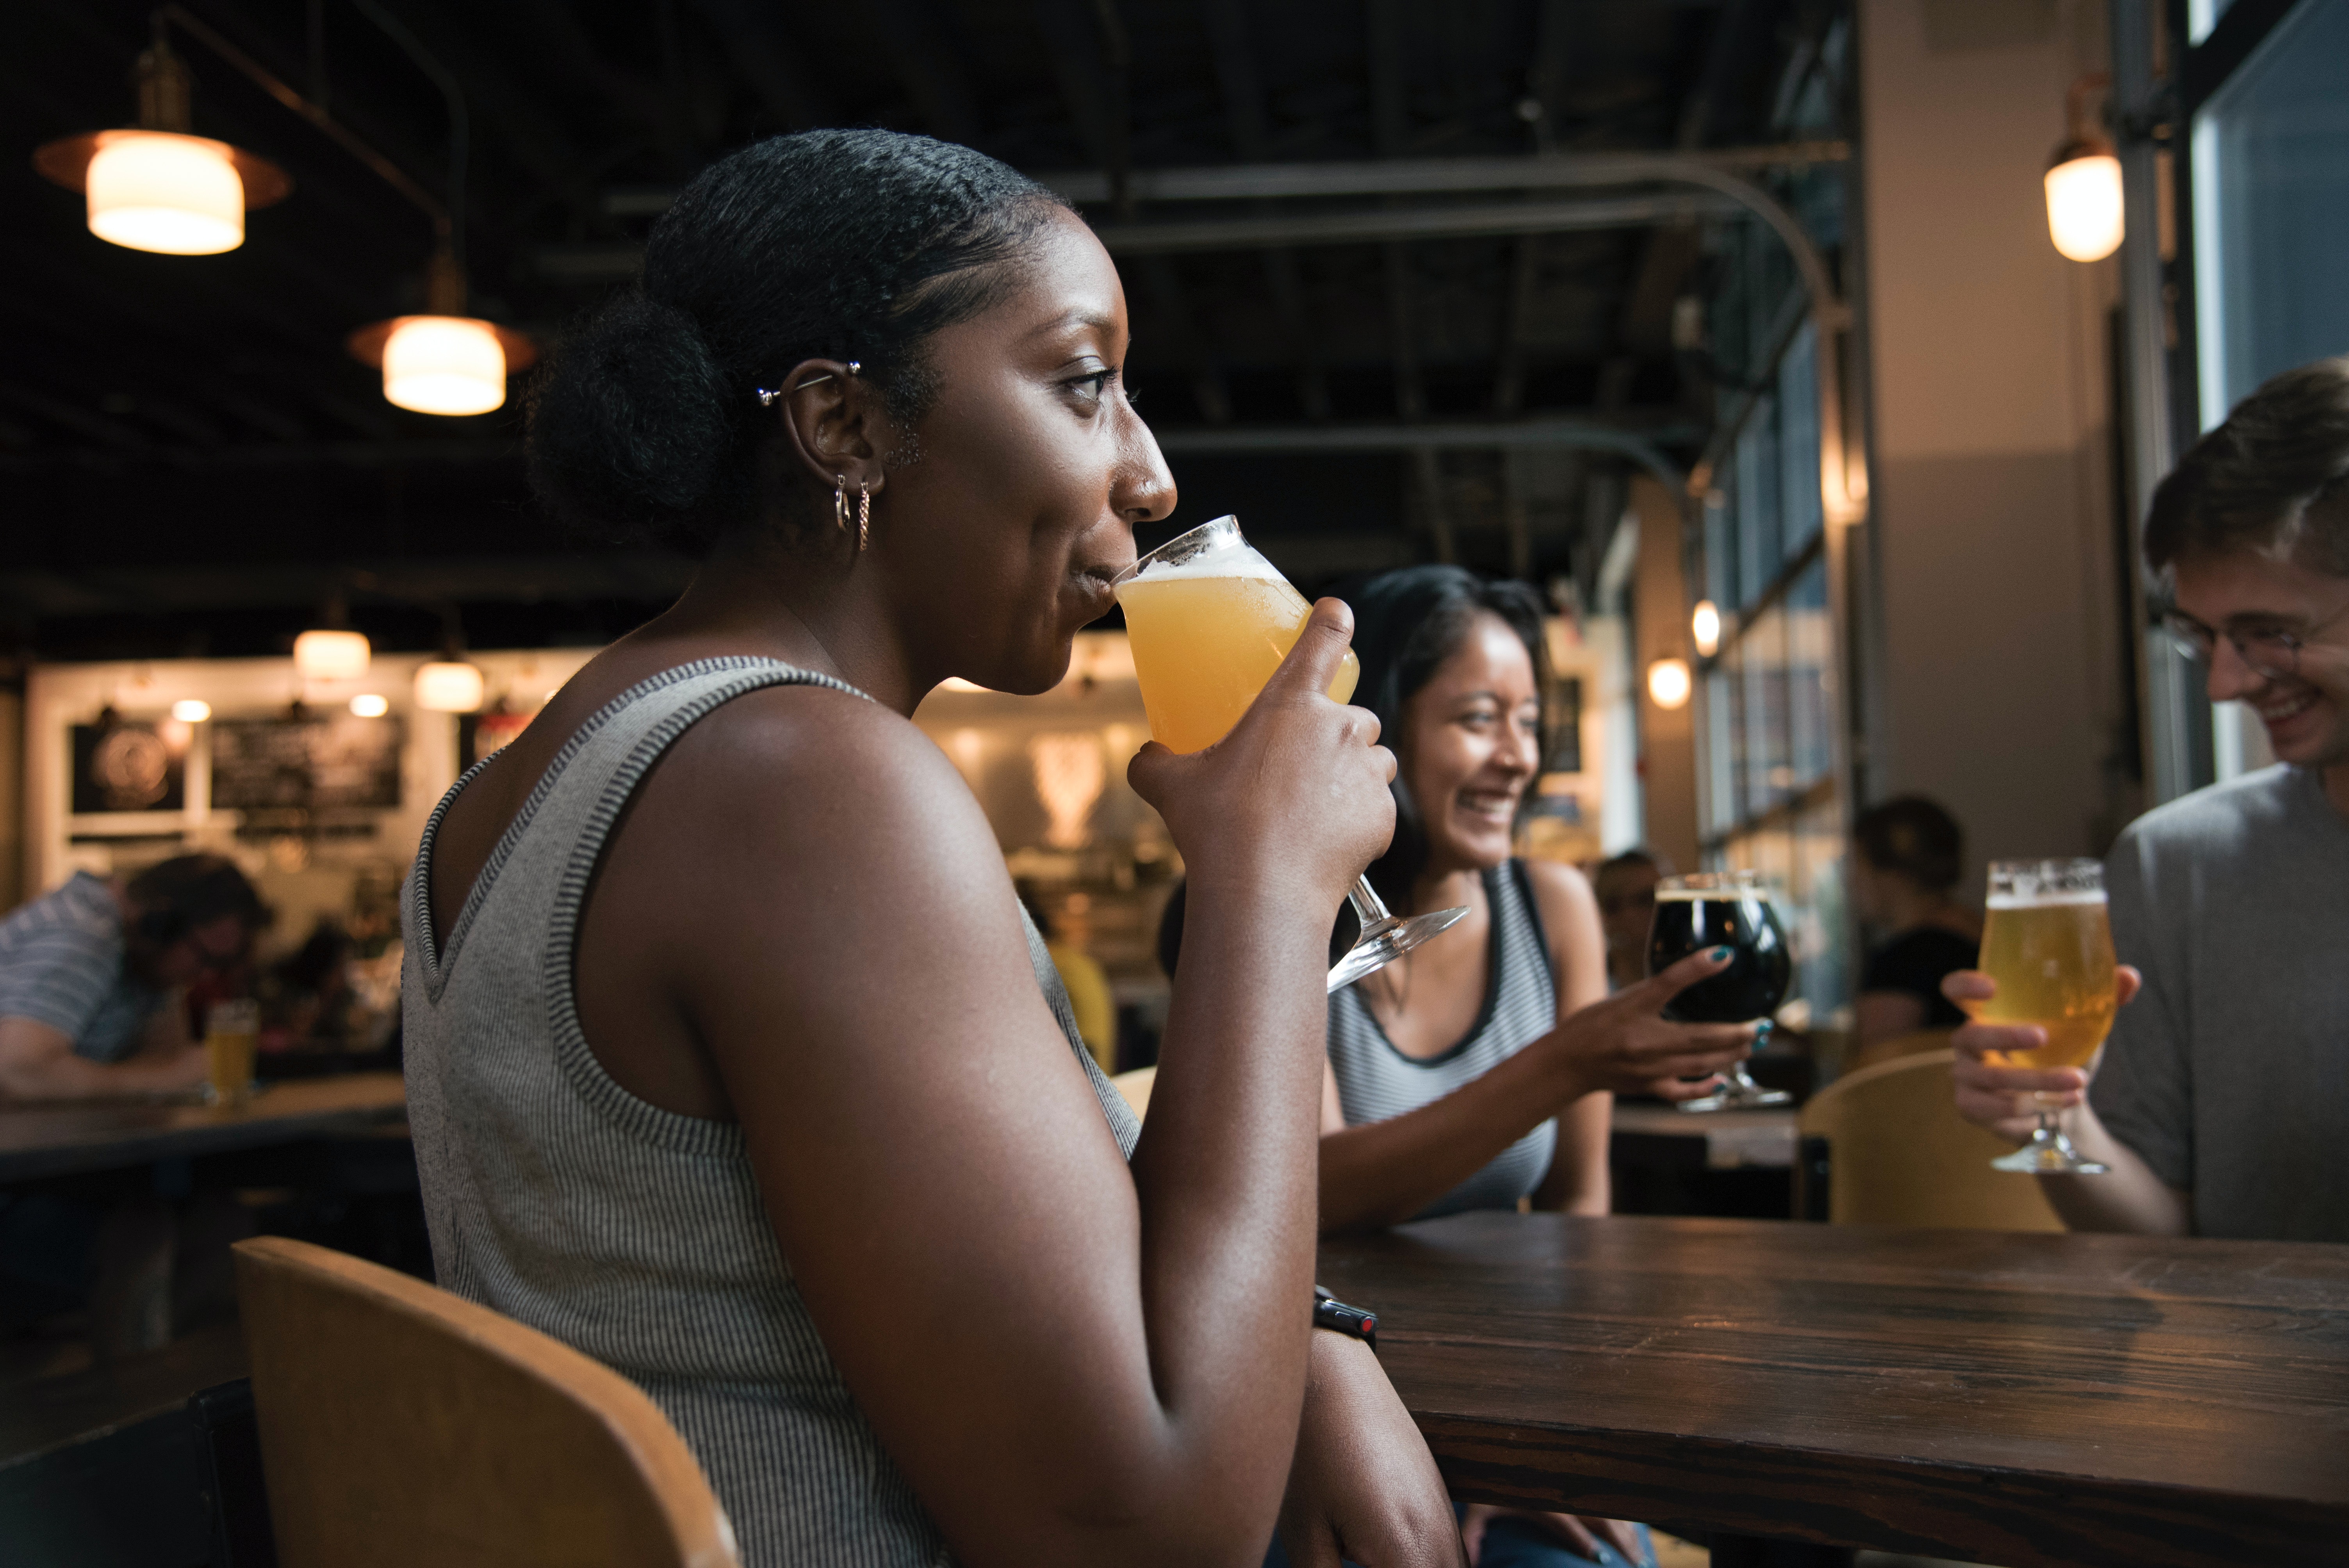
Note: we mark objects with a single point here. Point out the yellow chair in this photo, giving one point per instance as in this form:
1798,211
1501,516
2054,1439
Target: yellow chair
1916,1042
401,1424
1901,1155
1135,1086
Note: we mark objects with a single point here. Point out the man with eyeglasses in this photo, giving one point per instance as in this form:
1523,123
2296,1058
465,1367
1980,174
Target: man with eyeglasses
90,974
2221,1098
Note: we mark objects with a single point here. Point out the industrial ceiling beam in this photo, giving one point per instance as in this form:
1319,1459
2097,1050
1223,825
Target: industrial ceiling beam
1644,448
1384,225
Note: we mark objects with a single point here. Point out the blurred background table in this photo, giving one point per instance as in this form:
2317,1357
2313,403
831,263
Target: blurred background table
59,1138
2032,1400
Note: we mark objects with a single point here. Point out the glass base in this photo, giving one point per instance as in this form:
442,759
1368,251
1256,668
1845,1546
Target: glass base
1384,941
1738,1092
2049,1153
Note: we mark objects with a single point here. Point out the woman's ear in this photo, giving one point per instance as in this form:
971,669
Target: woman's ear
836,424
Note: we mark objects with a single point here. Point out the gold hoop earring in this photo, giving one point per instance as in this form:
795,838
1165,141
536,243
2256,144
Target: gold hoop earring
864,517
840,503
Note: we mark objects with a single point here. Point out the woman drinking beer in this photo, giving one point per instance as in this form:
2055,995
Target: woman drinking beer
718,965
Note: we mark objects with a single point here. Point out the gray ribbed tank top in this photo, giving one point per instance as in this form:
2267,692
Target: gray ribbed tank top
635,1234
1376,1081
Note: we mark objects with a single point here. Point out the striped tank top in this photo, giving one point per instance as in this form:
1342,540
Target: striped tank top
1376,1081
634,1234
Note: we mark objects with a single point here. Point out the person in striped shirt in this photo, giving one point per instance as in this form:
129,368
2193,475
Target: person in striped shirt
89,974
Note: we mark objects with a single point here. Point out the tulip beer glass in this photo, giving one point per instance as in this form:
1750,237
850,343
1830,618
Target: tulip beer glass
1209,620
1732,910
2049,945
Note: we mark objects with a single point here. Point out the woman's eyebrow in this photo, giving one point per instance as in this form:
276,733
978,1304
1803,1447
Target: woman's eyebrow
1081,318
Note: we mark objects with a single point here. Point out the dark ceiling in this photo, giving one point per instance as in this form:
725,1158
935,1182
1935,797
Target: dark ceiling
190,462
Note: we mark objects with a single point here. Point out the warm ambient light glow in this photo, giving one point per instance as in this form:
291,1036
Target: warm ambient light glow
155,190
331,655
1668,683
191,710
1704,628
2084,205
367,705
446,687
444,365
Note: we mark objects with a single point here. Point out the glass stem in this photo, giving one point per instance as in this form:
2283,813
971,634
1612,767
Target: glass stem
1369,908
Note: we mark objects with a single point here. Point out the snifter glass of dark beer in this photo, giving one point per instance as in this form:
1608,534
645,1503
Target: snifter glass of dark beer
2048,943
1732,910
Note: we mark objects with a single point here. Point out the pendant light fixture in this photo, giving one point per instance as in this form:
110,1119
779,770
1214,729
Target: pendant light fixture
449,684
443,361
332,652
156,187
2085,214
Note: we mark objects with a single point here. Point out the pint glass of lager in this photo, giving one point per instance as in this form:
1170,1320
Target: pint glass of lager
2049,946
1209,620
1732,910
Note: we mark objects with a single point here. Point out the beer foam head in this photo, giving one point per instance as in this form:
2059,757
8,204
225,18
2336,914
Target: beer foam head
2039,899
1241,562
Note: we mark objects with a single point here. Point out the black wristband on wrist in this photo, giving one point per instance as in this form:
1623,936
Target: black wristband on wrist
1335,1315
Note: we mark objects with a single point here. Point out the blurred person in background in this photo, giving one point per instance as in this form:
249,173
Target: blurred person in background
90,976
2221,1097
1092,1010
1909,856
1626,889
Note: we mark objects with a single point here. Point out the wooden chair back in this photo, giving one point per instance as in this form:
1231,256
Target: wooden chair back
1900,1154
401,1424
1135,1086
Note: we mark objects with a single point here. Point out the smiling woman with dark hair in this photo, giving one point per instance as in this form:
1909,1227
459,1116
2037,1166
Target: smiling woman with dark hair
732,1059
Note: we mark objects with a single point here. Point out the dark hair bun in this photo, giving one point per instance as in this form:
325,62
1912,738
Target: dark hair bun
631,426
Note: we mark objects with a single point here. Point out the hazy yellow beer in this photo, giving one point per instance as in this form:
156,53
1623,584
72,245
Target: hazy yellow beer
232,1043
2052,955
1207,636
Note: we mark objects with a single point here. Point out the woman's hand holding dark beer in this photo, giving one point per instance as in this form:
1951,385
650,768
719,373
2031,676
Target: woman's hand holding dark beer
1295,796
2003,1098
1625,1045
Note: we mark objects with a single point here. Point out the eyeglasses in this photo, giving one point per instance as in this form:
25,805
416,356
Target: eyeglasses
2269,651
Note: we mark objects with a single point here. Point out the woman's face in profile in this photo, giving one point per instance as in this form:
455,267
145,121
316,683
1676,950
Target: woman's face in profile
1471,744
1033,469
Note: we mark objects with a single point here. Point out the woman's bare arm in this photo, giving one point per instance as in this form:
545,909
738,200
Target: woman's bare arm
1071,1362
1577,1180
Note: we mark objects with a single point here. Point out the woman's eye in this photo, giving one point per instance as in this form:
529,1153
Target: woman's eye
1091,387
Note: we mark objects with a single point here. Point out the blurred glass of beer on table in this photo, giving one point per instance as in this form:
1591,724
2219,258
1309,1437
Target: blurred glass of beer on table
2047,943
232,1041
1208,624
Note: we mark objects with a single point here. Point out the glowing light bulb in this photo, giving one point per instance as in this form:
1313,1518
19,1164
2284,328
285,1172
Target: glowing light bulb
321,656
444,365
369,705
2084,205
155,190
1704,628
1668,683
448,686
191,710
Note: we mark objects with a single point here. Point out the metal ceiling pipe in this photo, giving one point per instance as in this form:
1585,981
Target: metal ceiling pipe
1385,223
1437,176
1643,447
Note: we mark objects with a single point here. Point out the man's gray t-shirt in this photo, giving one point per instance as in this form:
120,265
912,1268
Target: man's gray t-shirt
2229,1075
61,964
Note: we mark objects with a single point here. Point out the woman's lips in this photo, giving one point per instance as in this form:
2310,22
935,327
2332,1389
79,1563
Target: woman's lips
1498,807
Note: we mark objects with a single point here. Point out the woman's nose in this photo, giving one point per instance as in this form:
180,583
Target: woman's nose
1143,489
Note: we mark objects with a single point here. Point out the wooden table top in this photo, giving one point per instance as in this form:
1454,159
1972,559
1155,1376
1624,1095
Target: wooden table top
56,1139
2024,1399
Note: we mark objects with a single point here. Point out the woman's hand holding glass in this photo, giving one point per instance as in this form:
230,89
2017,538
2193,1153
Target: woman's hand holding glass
1294,799
1624,1045
2008,1099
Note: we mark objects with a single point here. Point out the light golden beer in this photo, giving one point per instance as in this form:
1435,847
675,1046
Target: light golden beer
2052,957
232,1042
1207,637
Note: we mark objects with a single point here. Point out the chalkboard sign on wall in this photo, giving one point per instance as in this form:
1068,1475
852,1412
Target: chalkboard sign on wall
313,763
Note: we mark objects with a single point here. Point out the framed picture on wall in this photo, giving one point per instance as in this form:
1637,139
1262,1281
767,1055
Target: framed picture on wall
121,767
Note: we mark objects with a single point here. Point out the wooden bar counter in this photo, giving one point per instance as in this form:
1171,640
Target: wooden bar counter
2019,1399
